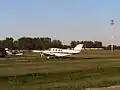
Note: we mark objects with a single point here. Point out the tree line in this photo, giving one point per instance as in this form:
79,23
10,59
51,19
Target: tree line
42,43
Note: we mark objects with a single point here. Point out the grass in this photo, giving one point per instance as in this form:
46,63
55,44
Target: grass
89,69
81,79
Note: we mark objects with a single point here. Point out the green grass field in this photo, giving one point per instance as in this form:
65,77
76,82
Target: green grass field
89,69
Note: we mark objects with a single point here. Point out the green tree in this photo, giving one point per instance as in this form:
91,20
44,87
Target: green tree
15,45
88,44
36,43
8,42
98,44
57,44
73,44
25,43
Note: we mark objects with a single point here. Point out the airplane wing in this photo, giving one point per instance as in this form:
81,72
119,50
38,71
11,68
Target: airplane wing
61,55
37,51
57,54
19,54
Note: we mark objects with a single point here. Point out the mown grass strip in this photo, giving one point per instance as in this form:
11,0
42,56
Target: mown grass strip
96,77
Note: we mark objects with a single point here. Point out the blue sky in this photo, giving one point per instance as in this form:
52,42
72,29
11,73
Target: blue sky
61,19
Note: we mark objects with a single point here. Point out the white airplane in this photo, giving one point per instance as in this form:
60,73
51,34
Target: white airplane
57,52
16,53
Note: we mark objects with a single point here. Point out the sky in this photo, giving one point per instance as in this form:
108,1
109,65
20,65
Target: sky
65,20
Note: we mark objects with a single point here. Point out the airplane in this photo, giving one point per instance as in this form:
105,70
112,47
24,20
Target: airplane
14,52
58,52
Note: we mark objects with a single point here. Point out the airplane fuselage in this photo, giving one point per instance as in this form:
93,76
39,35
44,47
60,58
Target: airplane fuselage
60,52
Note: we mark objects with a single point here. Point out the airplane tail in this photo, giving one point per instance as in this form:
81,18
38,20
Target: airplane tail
78,47
8,52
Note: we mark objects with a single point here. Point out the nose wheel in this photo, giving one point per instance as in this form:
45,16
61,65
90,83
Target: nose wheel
41,55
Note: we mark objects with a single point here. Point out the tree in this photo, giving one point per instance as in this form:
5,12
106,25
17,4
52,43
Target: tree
25,43
15,45
66,46
88,44
98,44
73,44
8,42
29,43
57,44
45,43
36,43
21,43
109,47
1,44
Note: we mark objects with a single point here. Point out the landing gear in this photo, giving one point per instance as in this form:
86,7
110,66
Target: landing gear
41,55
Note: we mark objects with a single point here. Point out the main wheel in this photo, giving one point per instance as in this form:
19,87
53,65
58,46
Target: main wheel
48,57
41,55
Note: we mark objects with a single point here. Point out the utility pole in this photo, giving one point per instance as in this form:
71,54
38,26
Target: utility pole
112,27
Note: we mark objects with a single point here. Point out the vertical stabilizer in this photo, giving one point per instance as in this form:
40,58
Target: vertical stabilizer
7,51
78,47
